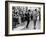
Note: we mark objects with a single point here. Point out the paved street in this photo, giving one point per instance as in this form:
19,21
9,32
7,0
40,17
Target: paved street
30,26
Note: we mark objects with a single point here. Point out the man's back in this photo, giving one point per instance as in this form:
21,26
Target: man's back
34,15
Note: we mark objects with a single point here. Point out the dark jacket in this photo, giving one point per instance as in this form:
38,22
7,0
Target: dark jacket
27,16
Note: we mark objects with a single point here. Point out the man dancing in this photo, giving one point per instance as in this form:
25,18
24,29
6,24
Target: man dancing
27,18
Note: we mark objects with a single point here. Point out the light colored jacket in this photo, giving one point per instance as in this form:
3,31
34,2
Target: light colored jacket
34,13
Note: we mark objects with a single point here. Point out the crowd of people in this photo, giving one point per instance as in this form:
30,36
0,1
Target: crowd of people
22,14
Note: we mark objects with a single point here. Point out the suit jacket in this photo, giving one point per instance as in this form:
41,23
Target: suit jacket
34,15
27,16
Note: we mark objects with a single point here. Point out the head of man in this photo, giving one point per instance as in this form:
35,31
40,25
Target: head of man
36,10
29,10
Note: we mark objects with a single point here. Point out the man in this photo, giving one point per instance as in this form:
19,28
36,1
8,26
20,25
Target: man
27,18
35,17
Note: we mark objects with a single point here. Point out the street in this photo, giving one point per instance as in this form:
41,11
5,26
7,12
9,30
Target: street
30,26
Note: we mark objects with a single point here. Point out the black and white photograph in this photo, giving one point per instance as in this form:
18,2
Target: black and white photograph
24,18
